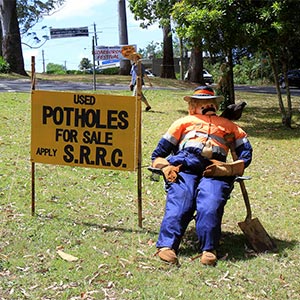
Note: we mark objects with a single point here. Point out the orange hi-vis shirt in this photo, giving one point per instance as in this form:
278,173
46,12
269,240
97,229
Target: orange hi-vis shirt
194,131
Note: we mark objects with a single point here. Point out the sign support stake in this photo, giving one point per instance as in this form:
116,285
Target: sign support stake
94,72
32,163
139,171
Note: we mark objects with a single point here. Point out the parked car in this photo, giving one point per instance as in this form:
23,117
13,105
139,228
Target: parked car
98,70
208,78
293,79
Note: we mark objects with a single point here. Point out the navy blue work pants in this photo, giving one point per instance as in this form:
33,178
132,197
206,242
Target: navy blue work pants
190,193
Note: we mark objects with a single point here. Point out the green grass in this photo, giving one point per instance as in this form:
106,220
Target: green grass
92,214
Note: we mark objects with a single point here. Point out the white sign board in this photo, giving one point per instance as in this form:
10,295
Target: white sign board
108,53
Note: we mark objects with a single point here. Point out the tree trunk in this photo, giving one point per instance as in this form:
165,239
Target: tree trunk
287,121
196,66
181,59
11,43
1,38
168,69
125,65
231,81
285,118
225,85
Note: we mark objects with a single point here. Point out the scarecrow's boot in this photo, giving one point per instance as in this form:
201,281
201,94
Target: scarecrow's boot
168,255
209,258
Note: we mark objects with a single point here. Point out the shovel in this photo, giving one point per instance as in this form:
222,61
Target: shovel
256,235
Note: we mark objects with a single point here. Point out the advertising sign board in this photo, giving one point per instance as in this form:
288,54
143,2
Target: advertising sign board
109,53
84,130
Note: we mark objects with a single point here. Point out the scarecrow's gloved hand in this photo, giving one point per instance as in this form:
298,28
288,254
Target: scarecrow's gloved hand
170,172
219,168
160,162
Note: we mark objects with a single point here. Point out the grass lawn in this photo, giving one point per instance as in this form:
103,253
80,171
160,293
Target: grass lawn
91,214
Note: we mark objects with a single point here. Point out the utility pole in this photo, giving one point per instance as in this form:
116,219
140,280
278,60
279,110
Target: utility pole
94,72
123,36
95,35
95,41
43,57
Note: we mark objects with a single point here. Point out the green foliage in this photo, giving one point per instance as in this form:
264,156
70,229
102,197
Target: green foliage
31,11
149,11
205,23
4,66
55,69
152,50
110,71
253,69
85,64
92,214
249,70
74,72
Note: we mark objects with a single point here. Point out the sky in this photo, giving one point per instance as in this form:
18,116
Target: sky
99,14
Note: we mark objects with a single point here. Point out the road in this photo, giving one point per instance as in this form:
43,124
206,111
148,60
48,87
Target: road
24,85
265,89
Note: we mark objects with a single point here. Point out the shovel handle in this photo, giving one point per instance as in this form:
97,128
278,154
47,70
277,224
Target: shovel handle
156,171
246,200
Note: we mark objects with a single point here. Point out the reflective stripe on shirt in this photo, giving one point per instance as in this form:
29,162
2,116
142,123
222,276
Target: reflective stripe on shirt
196,130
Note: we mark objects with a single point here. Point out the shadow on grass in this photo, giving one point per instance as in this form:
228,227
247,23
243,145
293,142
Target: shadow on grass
102,227
233,246
266,122
106,228
153,111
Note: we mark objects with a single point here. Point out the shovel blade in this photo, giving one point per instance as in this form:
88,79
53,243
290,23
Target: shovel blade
257,236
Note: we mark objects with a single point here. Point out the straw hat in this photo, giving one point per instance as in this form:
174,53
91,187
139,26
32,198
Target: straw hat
204,93
135,56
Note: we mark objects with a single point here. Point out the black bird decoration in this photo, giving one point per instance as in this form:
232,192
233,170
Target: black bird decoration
233,111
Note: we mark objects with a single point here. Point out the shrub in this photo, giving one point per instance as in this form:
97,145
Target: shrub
4,66
55,69
111,71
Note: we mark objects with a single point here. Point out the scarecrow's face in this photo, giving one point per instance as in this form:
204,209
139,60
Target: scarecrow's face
206,107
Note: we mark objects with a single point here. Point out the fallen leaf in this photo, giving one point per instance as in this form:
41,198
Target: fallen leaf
66,256
150,242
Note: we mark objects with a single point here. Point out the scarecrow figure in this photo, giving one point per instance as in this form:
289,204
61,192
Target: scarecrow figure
223,86
192,156
134,73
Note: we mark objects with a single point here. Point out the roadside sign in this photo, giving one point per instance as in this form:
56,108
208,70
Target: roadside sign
68,32
127,51
105,64
84,130
109,61
104,53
